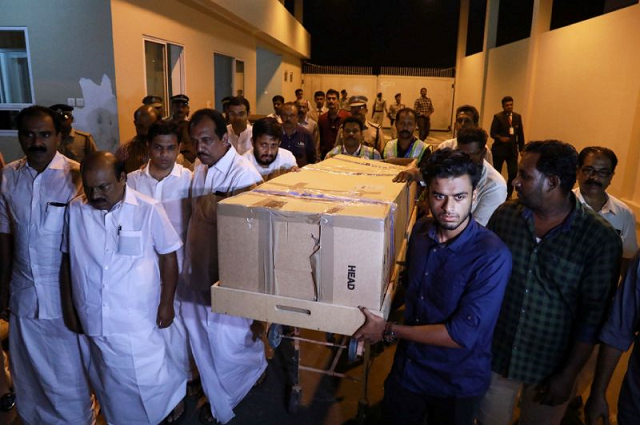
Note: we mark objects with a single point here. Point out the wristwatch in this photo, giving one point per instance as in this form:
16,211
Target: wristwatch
389,336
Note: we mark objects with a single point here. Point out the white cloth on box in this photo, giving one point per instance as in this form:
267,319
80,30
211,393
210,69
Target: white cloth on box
114,256
284,161
241,142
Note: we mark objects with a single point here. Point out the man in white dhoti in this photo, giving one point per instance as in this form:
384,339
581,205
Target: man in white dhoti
229,357
50,383
122,251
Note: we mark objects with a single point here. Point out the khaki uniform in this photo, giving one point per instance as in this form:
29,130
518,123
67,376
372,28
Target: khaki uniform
77,144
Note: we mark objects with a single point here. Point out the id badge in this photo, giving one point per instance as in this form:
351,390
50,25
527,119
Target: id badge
511,131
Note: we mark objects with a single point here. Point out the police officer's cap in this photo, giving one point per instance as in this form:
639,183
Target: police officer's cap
63,110
152,100
358,101
180,98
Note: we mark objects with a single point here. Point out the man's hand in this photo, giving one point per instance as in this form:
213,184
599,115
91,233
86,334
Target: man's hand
410,175
257,330
595,409
372,329
555,391
165,315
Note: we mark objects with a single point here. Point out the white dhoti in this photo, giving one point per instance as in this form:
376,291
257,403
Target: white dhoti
228,359
136,376
49,379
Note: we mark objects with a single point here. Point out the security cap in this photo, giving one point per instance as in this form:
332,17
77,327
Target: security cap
358,101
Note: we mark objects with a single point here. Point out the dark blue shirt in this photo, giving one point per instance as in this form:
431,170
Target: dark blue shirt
301,145
459,284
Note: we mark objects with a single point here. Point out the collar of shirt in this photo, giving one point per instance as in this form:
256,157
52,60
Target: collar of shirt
527,214
224,164
57,163
459,241
356,153
608,207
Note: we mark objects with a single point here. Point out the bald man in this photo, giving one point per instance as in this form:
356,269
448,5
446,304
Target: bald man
121,249
135,152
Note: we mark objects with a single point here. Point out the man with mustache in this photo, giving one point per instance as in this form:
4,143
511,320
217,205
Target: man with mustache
352,131
239,129
320,108
372,134
330,122
46,364
565,265
267,155
407,145
295,138
277,101
457,272
228,355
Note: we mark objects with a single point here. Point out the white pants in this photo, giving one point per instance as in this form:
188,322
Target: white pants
50,382
228,359
497,406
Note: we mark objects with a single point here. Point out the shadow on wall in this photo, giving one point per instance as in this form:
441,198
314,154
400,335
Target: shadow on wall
99,116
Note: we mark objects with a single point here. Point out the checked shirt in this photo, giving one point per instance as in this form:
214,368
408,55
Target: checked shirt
558,291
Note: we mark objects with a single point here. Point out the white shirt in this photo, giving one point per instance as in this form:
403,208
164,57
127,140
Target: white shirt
621,217
241,142
453,144
232,172
115,271
491,193
172,191
284,161
32,208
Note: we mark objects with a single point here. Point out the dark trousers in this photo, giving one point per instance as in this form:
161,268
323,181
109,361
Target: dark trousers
509,154
405,407
424,126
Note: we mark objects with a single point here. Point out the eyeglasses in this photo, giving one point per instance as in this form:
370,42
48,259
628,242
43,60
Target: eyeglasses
602,172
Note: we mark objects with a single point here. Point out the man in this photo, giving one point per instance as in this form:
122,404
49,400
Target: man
379,109
225,107
330,122
157,103
230,359
407,145
46,364
267,156
344,100
179,108
180,115
277,101
306,122
299,94
320,107
457,274
119,277
508,136
424,108
617,335
393,111
596,167
373,136
75,144
353,143
295,138
239,129
565,265
467,116
135,152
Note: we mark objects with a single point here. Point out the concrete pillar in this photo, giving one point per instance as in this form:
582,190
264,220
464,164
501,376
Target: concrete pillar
298,10
490,34
463,26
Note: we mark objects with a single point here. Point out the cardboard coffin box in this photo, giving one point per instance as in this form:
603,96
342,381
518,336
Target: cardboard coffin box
328,233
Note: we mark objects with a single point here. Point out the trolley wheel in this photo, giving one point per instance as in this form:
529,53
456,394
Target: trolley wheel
294,400
352,353
363,409
274,336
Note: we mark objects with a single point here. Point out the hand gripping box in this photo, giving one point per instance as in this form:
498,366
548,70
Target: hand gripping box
328,233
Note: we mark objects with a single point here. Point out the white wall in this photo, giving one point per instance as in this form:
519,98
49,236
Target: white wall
469,79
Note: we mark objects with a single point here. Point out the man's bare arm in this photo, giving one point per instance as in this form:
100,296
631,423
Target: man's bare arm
597,406
169,278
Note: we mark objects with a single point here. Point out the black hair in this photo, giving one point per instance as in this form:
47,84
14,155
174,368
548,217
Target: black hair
238,101
318,93
507,99
556,159
398,94
163,128
38,111
447,163
406,111
215,116
343,91
298,91
267,126
277,98
355,119
472,135
475,116
334,92
598,150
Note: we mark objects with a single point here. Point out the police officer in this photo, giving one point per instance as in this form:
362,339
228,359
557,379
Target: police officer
75,144
157,102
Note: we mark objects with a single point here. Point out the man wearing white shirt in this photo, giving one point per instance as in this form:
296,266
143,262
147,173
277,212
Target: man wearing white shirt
239,129
121,259
466,116
267,156
229,357
46,361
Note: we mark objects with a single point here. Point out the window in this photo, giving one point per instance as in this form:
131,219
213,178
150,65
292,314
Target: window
239,82
164,69
16,86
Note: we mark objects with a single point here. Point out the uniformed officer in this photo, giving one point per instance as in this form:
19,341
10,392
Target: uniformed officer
157,102
179,108
75,144
373,135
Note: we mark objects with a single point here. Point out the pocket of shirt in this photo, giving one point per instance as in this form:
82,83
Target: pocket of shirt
130,243
54,217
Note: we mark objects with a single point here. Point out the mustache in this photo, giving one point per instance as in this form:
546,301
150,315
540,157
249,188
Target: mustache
37,149
593,182
403,132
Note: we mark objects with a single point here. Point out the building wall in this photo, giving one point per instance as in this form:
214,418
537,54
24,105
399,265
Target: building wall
469,79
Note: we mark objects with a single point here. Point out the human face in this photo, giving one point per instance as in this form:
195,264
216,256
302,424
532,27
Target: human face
423,92
474,151
303,108
163,151
277,107
450,201
508,106
39,140
332,102
319,102
589,178
352,136
65,124
144,120
238,116
360,112
101,186
464,120
530,183
209,147
265,149
299,95
398,99
406,125
289,117
180,110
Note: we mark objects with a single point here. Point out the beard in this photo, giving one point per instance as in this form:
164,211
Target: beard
453,225
264,160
